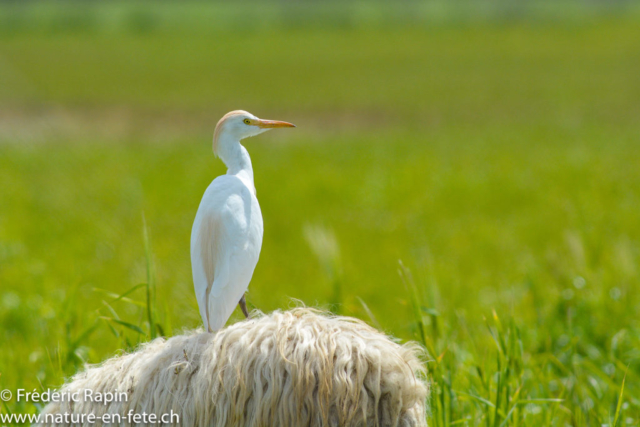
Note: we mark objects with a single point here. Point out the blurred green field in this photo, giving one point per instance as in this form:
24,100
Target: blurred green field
497,158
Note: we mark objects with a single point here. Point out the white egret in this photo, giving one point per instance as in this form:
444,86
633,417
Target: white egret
227,232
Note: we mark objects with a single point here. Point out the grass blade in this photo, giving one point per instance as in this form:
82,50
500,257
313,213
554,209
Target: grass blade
619,406
151,286
126,325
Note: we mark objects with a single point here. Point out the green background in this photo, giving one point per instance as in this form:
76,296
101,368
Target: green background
491,147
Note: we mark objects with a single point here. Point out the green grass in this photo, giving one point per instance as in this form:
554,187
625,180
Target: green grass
497,159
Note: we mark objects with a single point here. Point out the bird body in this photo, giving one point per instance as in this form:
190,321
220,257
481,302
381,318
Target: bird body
225,245
226,237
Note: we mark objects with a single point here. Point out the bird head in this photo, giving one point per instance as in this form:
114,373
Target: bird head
240,124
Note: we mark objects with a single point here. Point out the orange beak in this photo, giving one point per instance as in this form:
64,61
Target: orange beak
273,124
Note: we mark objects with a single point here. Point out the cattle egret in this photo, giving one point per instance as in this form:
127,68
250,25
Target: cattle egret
227,232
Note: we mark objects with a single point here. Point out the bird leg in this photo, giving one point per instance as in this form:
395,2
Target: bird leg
243,307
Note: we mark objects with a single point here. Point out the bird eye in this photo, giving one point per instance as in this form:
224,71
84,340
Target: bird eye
247,121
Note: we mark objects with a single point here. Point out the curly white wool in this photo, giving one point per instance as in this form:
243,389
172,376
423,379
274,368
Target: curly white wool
294,368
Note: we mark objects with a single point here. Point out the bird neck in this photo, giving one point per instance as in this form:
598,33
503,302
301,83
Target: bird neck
236,158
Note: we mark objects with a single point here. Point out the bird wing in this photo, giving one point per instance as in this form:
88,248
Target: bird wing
223,253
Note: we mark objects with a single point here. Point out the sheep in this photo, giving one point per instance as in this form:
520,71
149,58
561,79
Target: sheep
300,367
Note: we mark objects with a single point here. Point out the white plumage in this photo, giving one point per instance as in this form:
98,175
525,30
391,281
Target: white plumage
227,232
